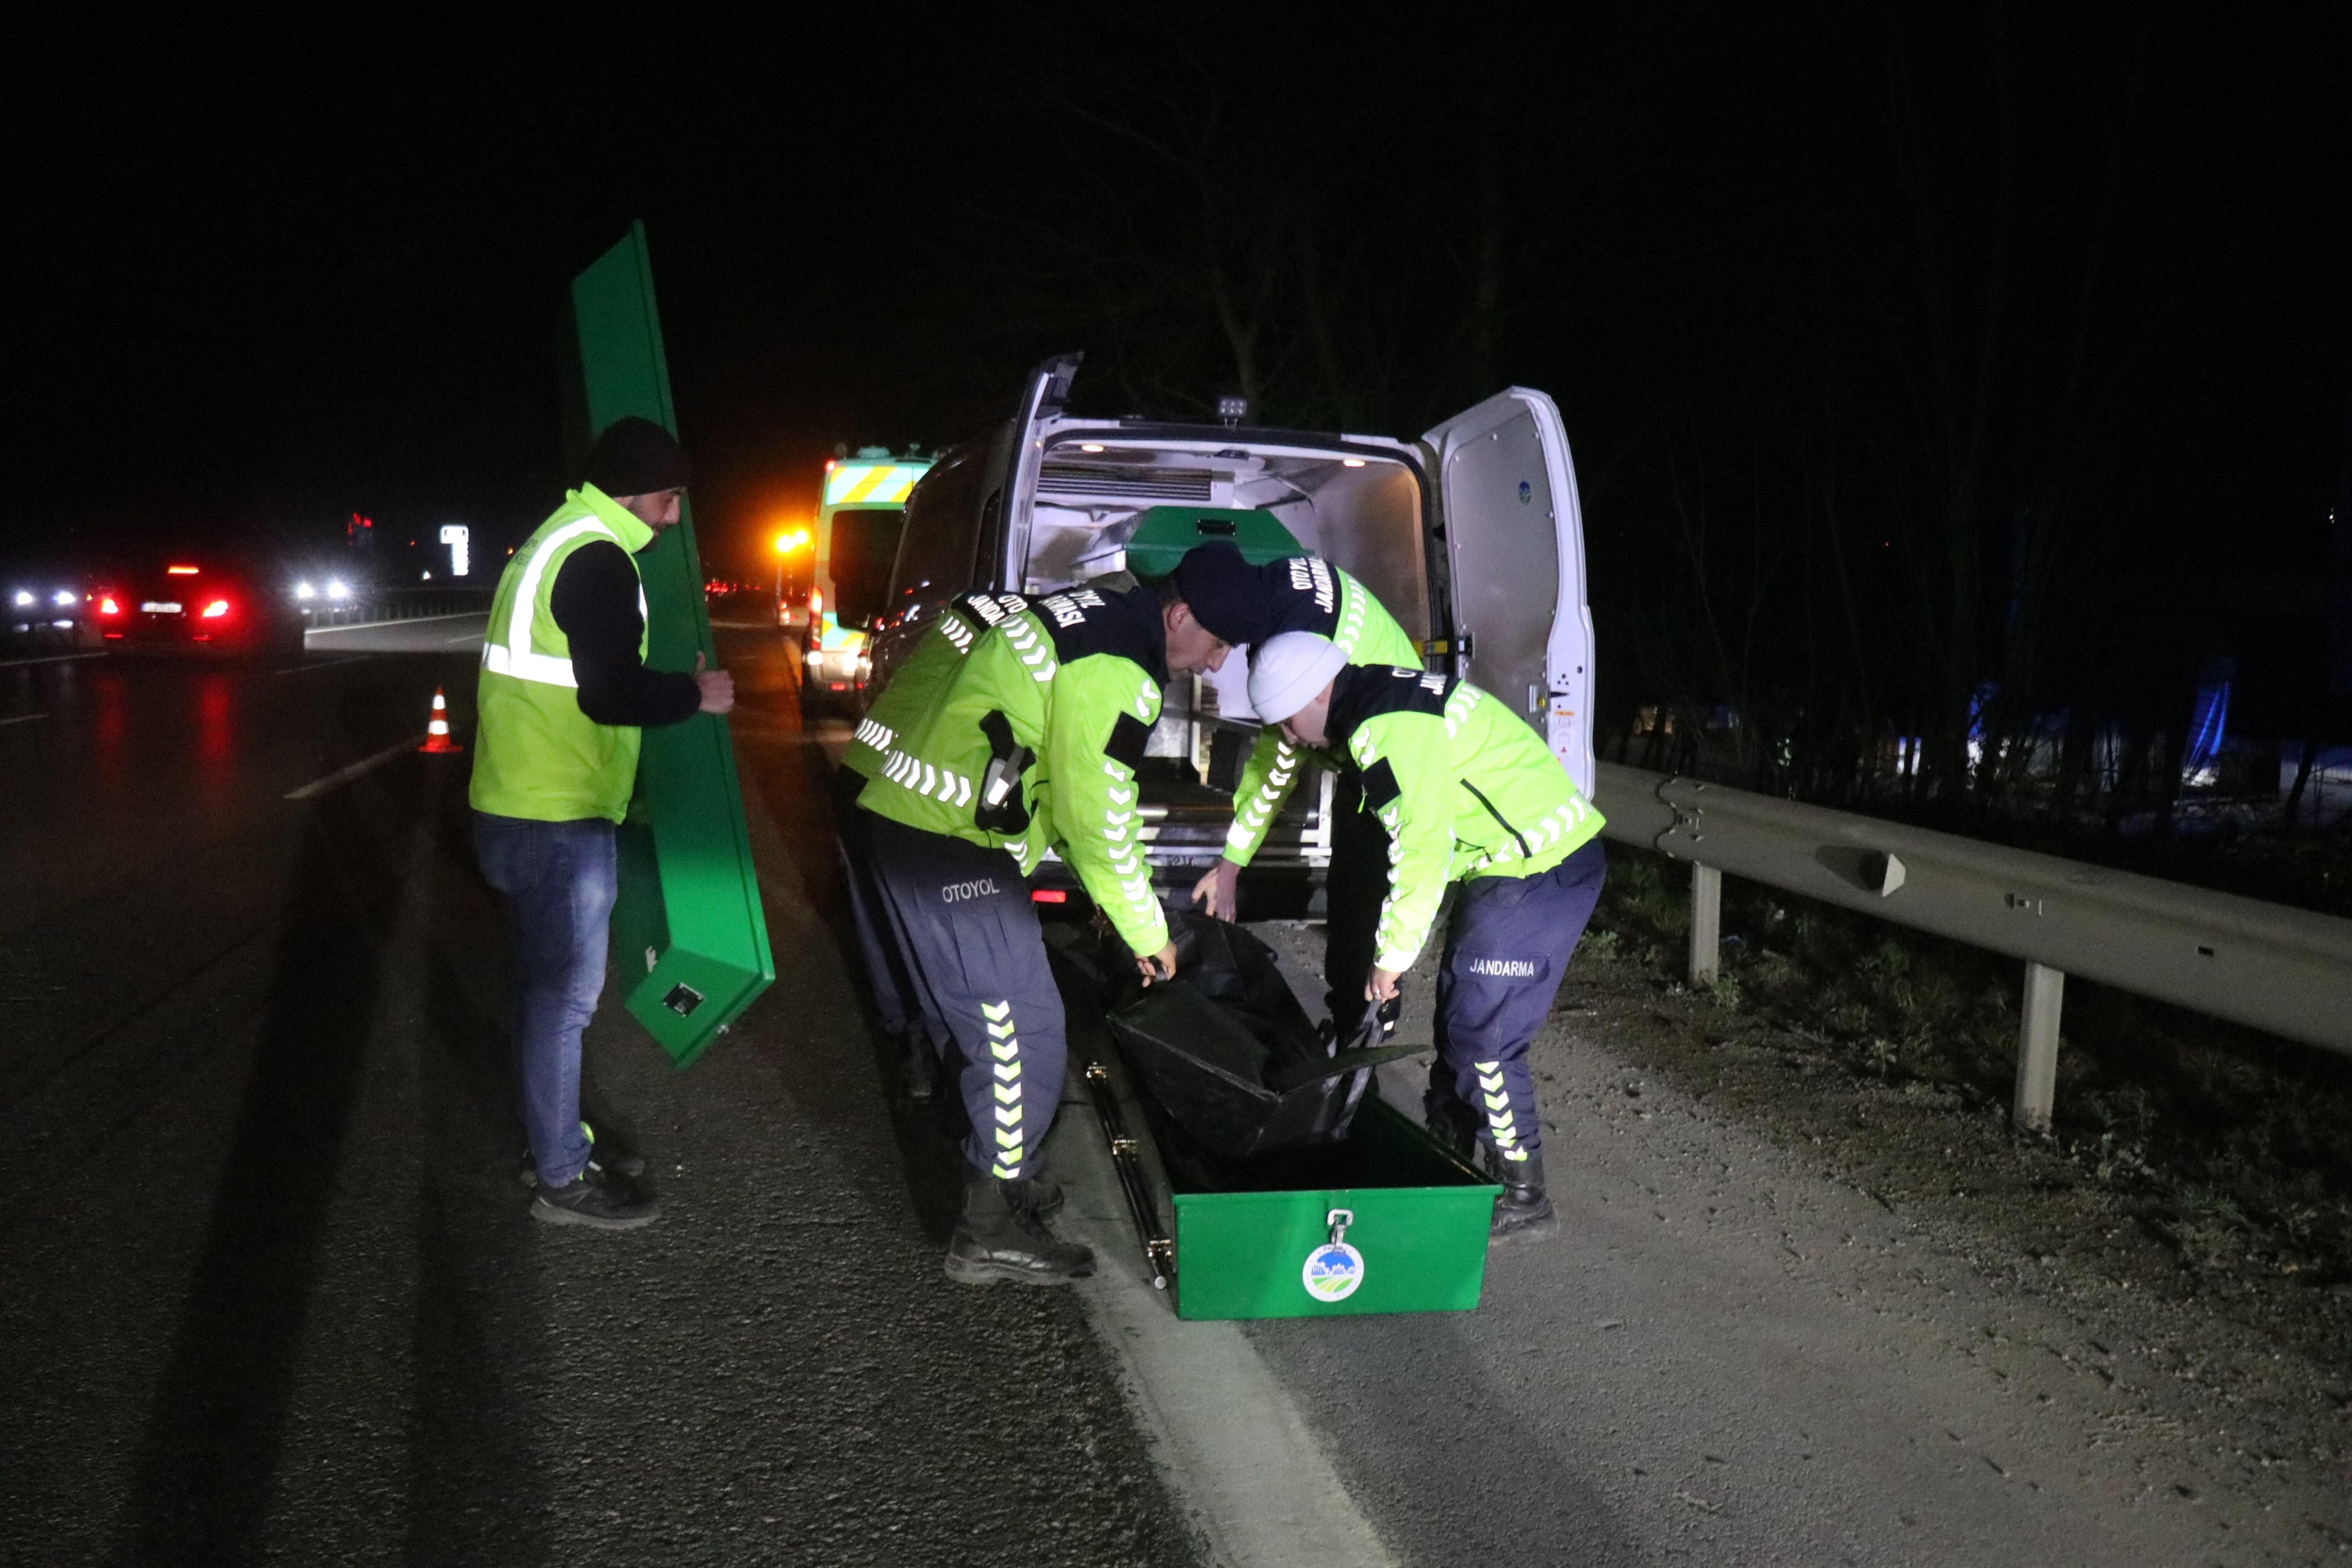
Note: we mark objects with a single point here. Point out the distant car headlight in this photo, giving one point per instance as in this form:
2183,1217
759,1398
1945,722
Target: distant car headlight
23,598
303,591
64,596
335,589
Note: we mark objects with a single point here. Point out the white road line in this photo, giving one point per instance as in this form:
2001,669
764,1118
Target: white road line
23,718
467,636
345,775
1246,1466
52,658
322,664
411,620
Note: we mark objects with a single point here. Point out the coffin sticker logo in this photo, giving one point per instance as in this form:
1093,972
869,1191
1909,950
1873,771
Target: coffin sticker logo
1334,1270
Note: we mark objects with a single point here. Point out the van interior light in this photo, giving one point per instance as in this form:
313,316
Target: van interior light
178,570
1091,447
1351,462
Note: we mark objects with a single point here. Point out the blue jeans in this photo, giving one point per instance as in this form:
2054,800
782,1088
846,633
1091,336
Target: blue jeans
559,881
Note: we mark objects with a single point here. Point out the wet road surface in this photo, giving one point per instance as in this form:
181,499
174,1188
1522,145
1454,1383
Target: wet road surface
267,1285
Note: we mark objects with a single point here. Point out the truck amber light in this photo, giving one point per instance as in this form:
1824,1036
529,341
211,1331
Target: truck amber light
215,610
1049,896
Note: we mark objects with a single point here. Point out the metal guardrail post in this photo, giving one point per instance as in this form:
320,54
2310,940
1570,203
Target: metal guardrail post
2037,1047
1706,923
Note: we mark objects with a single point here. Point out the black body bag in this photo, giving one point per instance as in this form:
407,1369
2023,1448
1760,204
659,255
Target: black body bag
1224,1052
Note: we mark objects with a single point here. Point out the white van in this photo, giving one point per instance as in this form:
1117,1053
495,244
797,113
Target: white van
1471,536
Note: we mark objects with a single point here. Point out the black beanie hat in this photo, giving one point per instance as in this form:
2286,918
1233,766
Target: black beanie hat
1225,592
635,457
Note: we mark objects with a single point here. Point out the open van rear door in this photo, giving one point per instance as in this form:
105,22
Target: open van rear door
1041,400
1507,496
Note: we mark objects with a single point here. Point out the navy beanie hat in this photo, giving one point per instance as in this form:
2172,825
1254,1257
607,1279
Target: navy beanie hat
1225,592
635,457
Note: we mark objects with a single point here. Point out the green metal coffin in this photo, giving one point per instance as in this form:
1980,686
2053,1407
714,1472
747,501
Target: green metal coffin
689,940
1387,1222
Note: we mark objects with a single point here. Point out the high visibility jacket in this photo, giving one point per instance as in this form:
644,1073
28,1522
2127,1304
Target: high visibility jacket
918,681
536,755
1032,738
1321,598
1463,787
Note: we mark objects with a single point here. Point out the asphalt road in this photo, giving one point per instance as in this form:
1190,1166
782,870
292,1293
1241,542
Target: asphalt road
267,1287
268,1291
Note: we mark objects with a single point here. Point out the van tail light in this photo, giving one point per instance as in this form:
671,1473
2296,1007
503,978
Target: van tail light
1049,896
216,610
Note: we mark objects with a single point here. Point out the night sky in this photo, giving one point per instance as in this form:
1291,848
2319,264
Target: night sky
2068,274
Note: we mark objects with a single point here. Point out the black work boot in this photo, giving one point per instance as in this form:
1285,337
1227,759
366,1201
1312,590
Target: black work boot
999,1238
1522,1213
1039,1195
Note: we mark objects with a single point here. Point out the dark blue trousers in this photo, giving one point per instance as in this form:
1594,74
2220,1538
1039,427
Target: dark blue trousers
1506,950
977,954
900,1004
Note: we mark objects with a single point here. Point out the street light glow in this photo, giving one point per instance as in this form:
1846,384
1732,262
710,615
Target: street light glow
788,543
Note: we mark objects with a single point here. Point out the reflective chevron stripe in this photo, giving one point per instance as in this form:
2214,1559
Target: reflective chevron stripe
1458,707
1550,830
1031,648
1500,1123
938,784
1255,814
1005,1046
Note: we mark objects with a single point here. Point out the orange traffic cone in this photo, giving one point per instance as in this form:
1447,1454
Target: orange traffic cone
437,733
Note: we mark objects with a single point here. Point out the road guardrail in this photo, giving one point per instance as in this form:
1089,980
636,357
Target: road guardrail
397,605
2285,970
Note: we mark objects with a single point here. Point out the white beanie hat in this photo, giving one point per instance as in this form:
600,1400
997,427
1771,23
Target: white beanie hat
1290,672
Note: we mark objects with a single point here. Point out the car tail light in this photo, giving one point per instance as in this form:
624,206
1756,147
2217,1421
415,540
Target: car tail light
215,610
107,607
1049,896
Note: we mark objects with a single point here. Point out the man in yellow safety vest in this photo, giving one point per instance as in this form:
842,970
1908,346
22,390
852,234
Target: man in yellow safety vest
564,695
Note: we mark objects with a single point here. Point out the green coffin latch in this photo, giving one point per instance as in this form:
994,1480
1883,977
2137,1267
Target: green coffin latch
689,940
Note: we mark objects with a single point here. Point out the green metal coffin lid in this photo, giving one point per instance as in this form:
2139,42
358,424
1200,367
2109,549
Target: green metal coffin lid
1164,533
